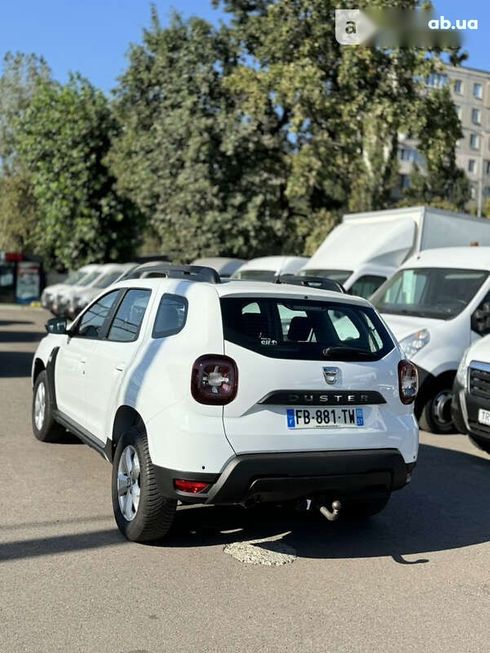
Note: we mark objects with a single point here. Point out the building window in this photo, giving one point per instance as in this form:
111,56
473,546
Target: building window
458,87
436,80
474,141
471,165
459,111
476,116
487,167
486,191
405,155
404,182
477,90
473,192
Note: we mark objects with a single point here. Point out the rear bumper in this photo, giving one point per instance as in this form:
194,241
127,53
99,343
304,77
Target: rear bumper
266,477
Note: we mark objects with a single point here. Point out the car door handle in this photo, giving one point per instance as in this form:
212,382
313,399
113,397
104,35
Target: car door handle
120,367
83,361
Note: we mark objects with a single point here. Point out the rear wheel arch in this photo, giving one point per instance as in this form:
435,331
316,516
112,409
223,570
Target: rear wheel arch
126,418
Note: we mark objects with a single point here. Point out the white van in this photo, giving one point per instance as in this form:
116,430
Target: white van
437,305
268,268
367,248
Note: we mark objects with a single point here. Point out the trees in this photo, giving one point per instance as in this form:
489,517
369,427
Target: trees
63,138
21,77
203,176
341,109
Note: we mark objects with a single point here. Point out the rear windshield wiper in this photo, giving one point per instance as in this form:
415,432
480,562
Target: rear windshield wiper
348,354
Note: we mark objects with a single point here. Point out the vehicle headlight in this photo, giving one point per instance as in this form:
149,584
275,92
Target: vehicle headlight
462,373
413,343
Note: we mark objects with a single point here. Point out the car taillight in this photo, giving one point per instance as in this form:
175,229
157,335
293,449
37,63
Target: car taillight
408,381
214,380
193,487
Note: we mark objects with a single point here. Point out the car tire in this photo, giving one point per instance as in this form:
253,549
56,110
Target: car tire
364,509
141,512
435,416
44,426
481,443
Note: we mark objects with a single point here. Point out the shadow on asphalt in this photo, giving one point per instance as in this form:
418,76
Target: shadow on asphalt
41,546
20,336
15,364
4,323
446,507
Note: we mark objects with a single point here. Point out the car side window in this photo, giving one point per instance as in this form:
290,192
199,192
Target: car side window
127,321
92,321
171,316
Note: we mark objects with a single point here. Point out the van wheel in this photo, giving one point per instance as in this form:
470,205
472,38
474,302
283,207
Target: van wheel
435,415
481,443
44,426
364,508
142,513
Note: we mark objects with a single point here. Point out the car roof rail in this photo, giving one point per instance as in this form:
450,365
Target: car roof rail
322,283
157,269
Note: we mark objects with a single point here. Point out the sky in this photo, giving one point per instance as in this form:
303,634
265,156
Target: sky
92,36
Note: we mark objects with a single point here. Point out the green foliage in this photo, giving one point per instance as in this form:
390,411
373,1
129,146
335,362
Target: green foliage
22,74
63,138
206,180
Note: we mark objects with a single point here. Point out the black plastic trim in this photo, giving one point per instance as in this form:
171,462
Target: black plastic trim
323,398
284,476
50,374
88,438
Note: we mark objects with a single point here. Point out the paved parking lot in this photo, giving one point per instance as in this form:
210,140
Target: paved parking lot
415,578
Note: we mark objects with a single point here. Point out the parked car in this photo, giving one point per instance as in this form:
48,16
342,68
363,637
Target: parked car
63,305
233,393
368,248
83,296
437,306
471,395
50,293
268,268
225,267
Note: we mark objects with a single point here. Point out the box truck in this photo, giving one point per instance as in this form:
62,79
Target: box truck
367,248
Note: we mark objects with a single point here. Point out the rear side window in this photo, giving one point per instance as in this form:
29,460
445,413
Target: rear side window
127,321
171,316
305,329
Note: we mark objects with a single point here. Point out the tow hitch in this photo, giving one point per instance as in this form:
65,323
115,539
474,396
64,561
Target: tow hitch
332,514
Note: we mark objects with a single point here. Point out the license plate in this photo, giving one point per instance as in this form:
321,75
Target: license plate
484,417
315,418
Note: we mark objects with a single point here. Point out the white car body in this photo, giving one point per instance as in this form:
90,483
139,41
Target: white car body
267,268
101,386
437,345
367,248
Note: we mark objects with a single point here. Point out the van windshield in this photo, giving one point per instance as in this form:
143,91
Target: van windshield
336,275
305,329
439,293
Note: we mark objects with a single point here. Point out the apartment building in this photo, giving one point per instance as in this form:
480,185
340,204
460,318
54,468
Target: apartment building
470,89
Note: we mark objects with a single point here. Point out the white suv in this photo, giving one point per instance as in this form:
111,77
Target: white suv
230,393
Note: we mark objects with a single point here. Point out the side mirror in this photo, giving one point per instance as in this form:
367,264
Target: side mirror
480,320
57,325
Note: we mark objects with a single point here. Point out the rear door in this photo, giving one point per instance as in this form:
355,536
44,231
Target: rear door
313,375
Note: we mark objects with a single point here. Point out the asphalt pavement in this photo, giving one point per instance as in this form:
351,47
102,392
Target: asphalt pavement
415,578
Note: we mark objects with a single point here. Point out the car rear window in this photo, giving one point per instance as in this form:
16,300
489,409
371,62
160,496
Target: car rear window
305,329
